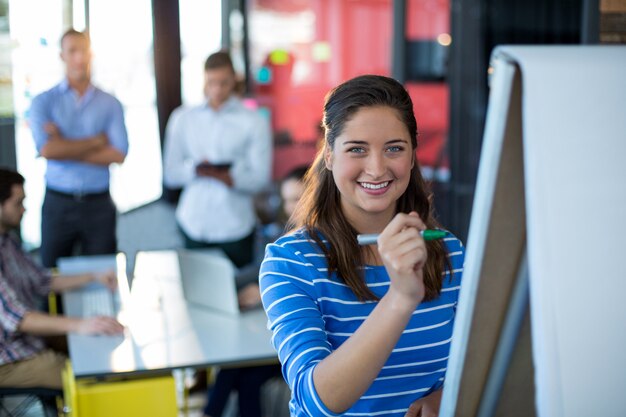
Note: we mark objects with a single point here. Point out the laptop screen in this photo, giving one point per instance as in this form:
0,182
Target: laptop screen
208,279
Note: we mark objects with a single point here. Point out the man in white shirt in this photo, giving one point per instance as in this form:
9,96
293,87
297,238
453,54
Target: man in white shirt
220,153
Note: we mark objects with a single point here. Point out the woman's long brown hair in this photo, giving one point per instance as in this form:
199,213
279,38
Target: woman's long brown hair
319,209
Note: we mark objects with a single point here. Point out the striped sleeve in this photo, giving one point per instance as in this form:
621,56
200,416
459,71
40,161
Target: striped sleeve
11,309
299,336
43,282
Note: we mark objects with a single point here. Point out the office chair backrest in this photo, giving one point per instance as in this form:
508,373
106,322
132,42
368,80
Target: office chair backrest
46,396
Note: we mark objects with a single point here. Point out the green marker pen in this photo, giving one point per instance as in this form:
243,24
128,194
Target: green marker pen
429,234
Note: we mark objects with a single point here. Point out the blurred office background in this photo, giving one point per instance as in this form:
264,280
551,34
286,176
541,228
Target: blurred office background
150,54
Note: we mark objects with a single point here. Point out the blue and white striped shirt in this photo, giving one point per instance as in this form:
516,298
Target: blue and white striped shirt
311,315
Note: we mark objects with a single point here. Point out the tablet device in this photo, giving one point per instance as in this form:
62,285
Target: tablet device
218,165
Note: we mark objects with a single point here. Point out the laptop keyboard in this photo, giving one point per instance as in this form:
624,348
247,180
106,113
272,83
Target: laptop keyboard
98,303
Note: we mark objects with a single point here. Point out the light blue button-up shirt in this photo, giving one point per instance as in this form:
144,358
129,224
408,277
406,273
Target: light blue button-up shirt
78,118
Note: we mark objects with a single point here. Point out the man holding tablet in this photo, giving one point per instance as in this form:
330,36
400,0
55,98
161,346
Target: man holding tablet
220,154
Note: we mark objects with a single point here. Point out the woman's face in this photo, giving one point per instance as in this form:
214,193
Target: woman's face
371,163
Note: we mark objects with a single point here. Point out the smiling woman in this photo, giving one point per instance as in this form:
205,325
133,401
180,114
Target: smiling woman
364,330
371,164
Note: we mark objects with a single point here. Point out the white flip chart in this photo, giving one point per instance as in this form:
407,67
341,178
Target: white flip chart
550,196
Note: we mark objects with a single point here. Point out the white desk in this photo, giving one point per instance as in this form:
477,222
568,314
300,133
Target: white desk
163,331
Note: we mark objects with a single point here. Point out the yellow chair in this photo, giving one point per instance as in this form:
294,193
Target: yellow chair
149,396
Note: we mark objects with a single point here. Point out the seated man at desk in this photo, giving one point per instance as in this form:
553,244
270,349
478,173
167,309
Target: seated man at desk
25,361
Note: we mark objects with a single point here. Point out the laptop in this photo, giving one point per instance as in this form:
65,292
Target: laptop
208,280
96,299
